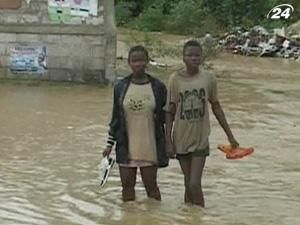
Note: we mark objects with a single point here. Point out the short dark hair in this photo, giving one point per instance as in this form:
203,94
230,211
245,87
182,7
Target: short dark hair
192,43
138,48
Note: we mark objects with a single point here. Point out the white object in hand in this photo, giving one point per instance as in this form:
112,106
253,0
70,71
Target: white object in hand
105,166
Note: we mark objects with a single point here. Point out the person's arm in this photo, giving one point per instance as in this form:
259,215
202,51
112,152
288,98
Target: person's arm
218,111
172,99
220,116
169,126
109,145
113,125
163,100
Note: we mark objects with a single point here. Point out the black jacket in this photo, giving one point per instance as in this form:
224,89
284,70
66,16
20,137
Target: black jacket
117,125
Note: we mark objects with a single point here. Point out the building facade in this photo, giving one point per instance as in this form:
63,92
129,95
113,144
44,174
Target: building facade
59,40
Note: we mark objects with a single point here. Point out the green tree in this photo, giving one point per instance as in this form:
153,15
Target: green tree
189,16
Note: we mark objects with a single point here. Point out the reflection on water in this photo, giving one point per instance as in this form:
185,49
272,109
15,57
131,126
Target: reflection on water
51,138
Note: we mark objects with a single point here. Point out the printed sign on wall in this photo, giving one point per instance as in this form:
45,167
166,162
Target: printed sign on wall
84,7
28,59
63,10
80,8
59,10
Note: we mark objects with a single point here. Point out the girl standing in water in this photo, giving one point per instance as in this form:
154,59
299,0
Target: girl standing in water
189,91
137,126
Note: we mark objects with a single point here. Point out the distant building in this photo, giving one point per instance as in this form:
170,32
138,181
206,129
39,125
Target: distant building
63,40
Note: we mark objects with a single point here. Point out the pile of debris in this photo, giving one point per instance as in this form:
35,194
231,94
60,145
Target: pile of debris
259,42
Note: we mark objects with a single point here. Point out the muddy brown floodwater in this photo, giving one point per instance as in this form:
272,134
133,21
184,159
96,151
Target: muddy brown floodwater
51,137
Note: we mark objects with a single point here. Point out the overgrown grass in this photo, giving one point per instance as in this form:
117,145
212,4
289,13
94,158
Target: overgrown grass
155,45
197,17
184,17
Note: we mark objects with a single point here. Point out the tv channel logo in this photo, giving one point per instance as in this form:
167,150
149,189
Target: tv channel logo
282,11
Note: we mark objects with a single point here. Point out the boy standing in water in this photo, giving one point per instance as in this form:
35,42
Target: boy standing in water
189,91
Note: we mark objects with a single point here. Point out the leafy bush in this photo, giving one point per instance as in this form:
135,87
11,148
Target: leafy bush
186,17
152,19
123,13
198,16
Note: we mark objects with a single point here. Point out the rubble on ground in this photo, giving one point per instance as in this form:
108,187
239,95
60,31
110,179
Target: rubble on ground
260,42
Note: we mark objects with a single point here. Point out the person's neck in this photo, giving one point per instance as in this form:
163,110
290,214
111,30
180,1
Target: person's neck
139,78
192,71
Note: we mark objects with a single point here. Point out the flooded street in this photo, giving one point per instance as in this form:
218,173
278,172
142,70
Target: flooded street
52,135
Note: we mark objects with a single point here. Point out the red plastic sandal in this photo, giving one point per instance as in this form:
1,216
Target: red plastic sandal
236,153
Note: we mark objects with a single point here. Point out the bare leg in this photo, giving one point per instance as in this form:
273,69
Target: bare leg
149,176
128,179
185,164
197,165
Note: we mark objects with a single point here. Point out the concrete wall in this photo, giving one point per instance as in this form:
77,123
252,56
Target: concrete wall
78,50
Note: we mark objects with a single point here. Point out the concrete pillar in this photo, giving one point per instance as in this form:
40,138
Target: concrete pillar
110,40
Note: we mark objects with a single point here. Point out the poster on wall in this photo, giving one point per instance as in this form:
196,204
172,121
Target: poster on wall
94,7
28,59
63,10
59,10
80,8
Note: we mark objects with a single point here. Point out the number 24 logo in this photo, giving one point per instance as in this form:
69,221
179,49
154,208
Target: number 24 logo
280,11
